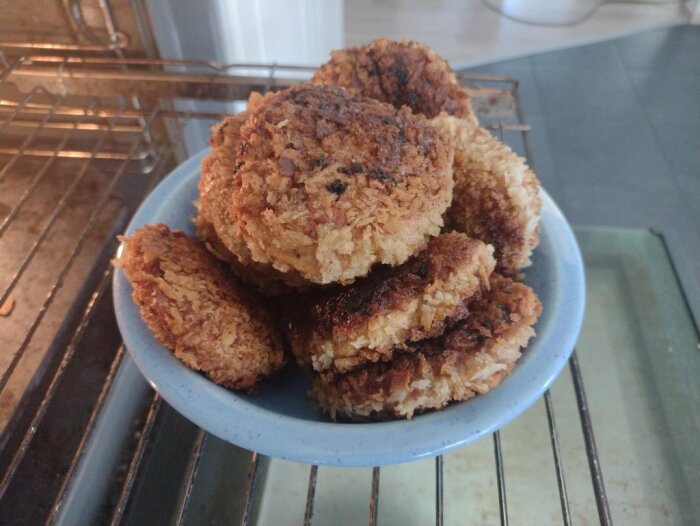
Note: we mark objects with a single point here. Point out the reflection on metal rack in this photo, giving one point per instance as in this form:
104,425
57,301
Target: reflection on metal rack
310,495
500,478
439,492
72,129
561,481
601,498
136,460
191,475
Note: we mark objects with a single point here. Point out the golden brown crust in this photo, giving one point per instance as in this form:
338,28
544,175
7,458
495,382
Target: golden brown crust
470,358
342,327
194,307
496,196
400,73
213,221
330,184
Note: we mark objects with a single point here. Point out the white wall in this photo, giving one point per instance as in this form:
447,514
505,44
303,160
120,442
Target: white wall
286,32
260,31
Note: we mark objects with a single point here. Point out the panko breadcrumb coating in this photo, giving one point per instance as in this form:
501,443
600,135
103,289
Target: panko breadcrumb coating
469,359
344,327
197,309
496,195
328,184
213,221
400,73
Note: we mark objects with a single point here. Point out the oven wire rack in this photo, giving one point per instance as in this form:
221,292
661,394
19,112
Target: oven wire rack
80,114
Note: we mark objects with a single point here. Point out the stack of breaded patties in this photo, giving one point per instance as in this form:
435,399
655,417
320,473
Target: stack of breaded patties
390,224
496,196
322,185
441,327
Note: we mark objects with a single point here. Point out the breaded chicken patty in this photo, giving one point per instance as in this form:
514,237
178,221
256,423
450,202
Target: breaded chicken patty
470,358
197,309
496,195
344,327
328,184
213,220
400,73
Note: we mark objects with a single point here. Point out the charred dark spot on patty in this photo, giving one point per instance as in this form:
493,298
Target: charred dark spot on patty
356,168
381,176
399,70
337,187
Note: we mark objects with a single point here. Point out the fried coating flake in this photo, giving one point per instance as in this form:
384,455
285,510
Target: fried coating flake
400,73
197,309
344,327
496,195
213,221
471,358
329,184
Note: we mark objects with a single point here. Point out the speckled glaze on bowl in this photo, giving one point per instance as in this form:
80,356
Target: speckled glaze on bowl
281,422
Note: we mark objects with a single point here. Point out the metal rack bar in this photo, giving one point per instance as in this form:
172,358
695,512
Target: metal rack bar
310,495
270,77
10,67
500,479
17,355
117,40
553,434
52,218
144,441
601,497
37,180
41,411
488,77
374,498
52,110
439,491
521,119
19,106
28,140
81,127
54,46
115,37
250,489
558,464
191,475
68,110
162,83
151,84
126,61
80,154
78,457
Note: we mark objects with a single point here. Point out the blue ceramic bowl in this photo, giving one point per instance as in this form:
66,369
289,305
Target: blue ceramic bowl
281,422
